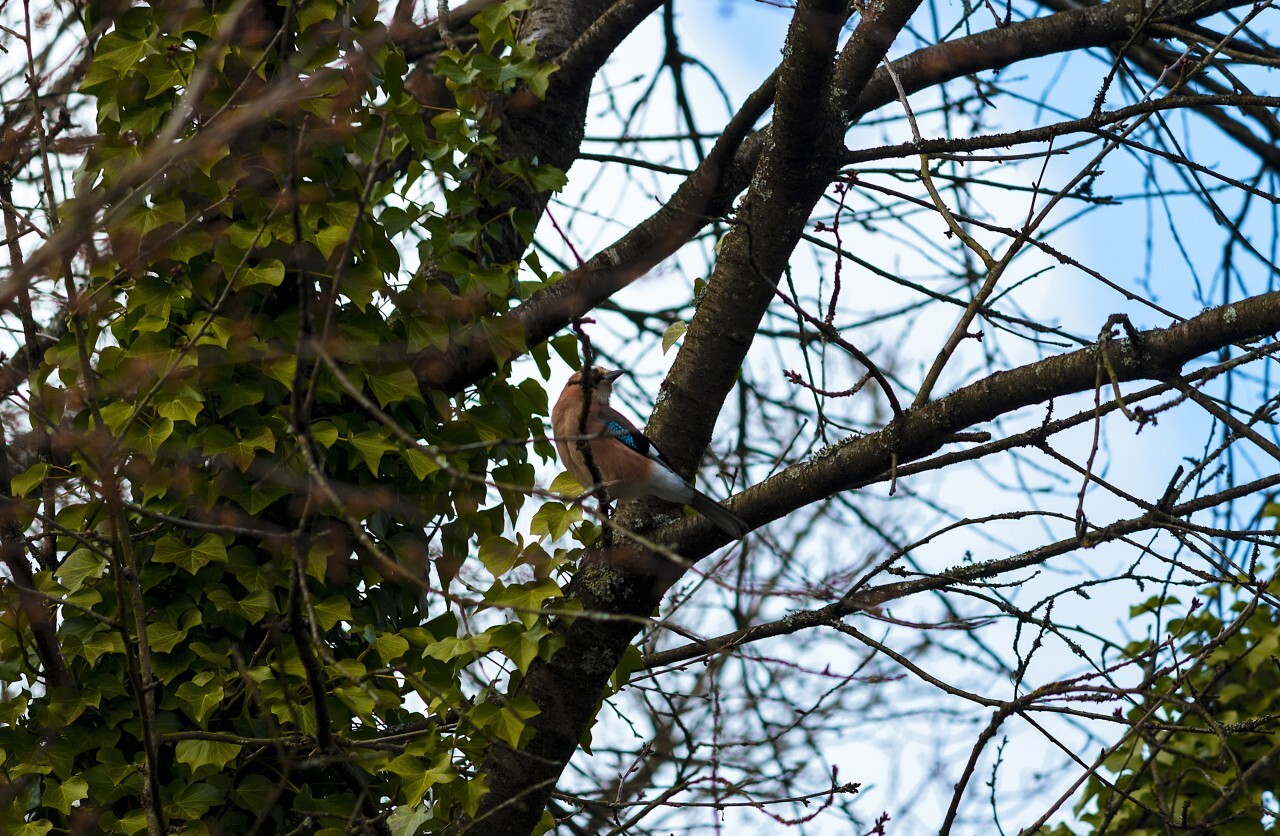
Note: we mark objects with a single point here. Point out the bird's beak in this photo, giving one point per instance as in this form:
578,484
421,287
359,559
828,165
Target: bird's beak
611,376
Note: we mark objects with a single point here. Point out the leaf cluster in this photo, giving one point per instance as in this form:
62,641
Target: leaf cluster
253,490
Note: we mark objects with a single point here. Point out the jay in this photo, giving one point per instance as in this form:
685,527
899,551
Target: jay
629,464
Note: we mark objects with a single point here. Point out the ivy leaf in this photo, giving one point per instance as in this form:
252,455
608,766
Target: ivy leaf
209,549
210,330
494,24
539,79
358,699
395,386
332,610
415,778
324,433
566,346
505,335
499,555
408,820
188,244
163,637
251,608
361,281
495,280
282,369
194,801
342,212
256,497
523,596
152,295
199,696
37,828
349,669
548,178
253,792
80,566
162,77
420,463
269,272
239,394
60,796
632,660
673,334
390,647
25,482
144,117
451,647
148,438
180,409
102,644
396,220
553,519
331,238
371,446
520,644
114,415
115,56
508,722
566,484
199,753
424,332
167,212
442,770
219,441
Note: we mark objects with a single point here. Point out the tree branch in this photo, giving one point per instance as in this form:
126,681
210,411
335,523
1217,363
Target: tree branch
706,194
589,52
803,156
567,687
710,190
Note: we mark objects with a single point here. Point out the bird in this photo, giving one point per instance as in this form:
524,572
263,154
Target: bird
629,464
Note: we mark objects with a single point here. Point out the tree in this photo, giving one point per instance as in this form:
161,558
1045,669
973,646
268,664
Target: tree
289,284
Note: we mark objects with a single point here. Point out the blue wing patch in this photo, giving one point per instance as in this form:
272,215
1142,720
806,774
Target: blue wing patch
629,437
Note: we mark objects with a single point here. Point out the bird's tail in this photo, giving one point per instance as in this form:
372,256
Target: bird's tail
727,521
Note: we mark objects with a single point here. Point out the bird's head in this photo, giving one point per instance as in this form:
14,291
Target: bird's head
598,378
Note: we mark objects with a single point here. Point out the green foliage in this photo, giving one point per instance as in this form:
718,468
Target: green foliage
1206,731
257,484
